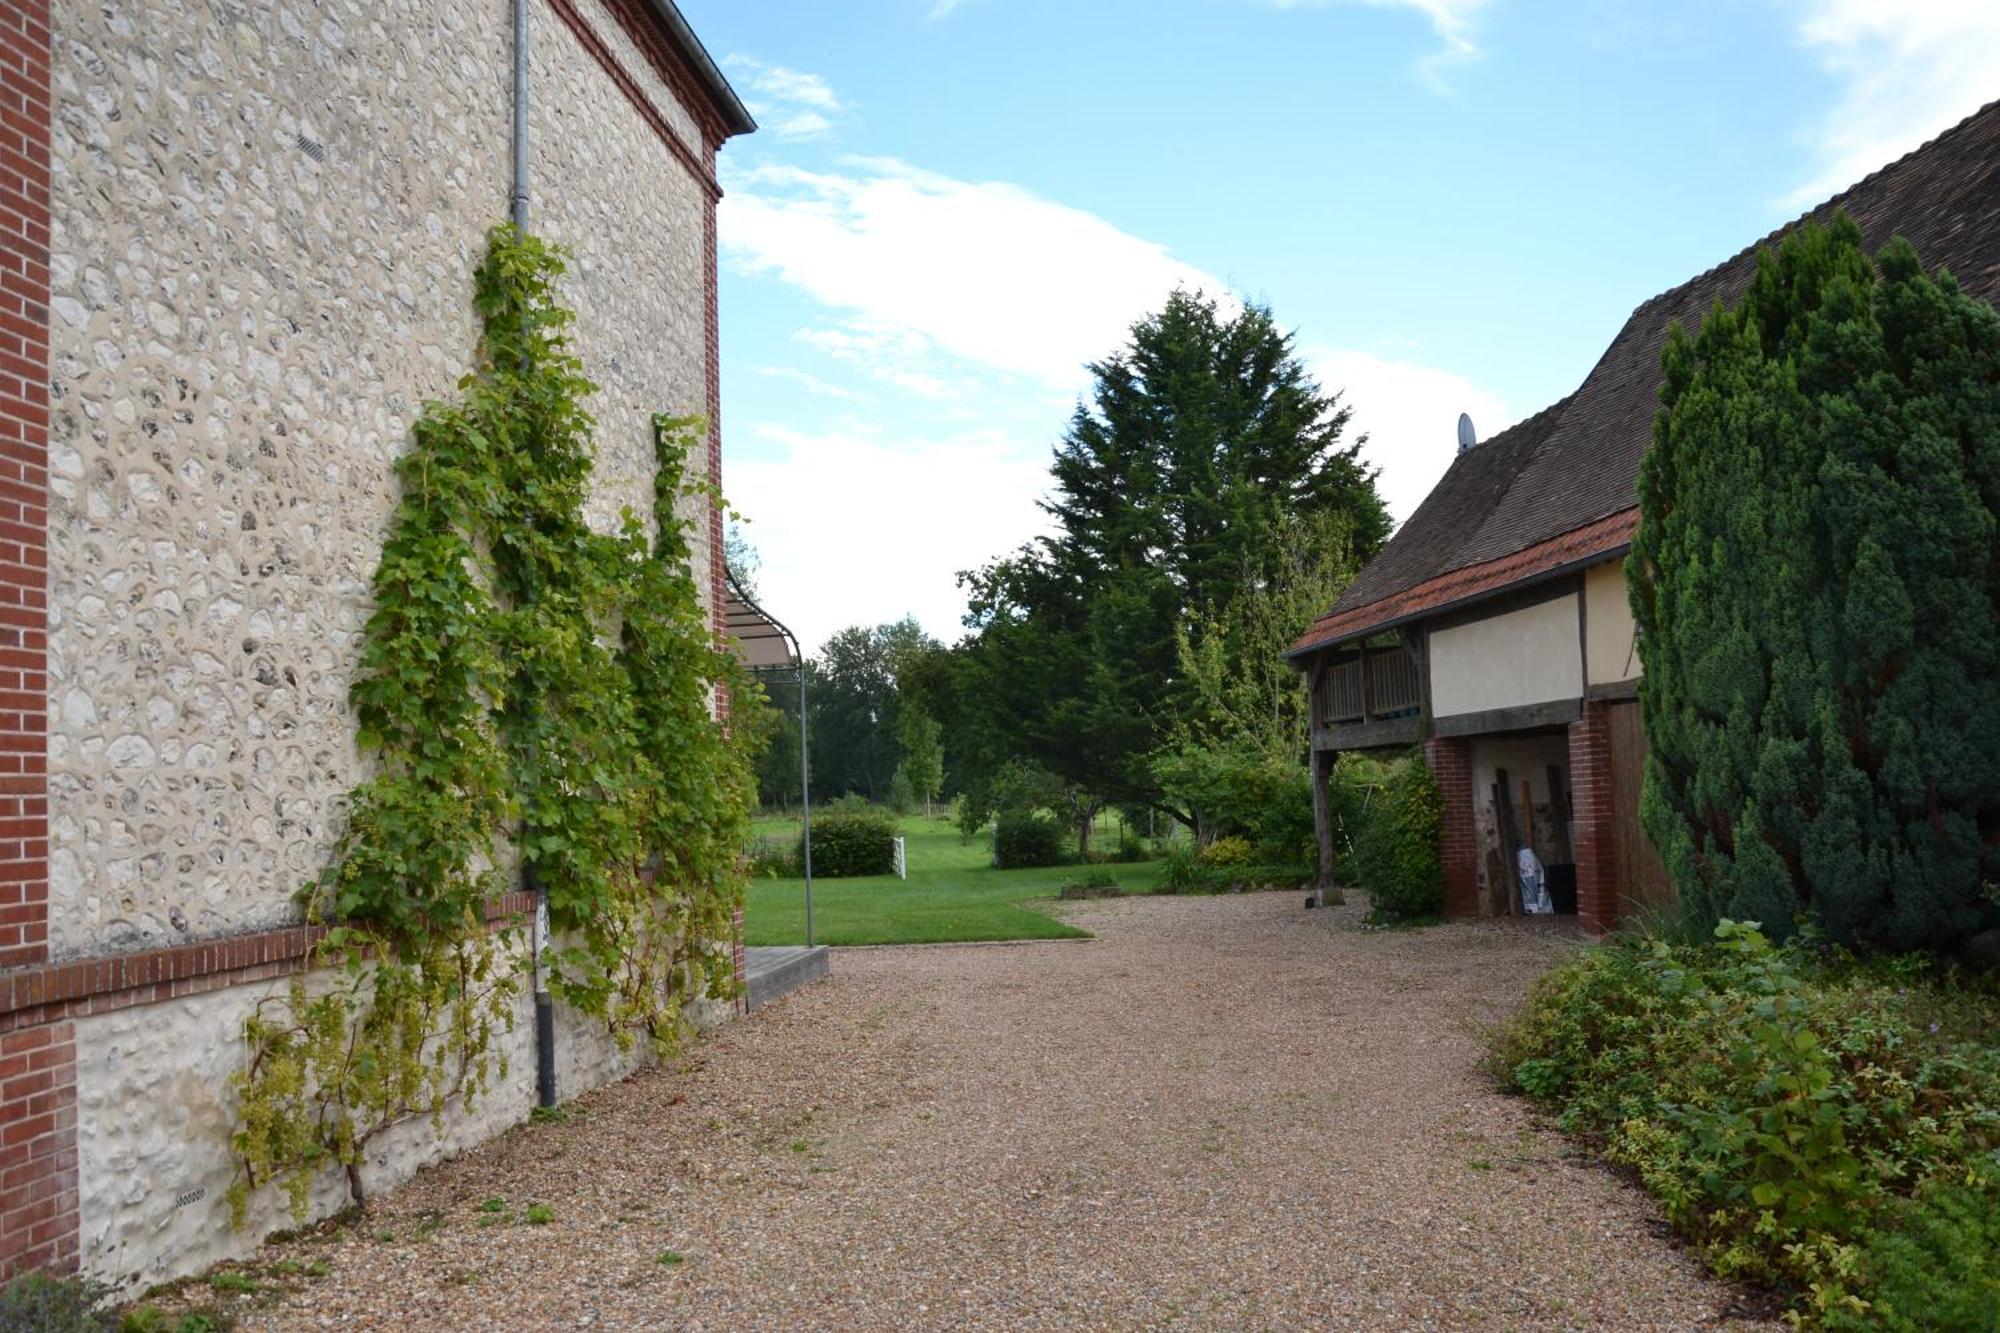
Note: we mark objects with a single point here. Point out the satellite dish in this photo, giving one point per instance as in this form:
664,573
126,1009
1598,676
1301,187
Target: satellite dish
1467,437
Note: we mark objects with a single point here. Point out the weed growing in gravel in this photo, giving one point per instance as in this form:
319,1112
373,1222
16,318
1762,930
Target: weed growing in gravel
233,1282
539,1215
494,1205
671,1258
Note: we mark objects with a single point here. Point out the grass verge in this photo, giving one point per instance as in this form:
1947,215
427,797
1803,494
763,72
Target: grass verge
953,895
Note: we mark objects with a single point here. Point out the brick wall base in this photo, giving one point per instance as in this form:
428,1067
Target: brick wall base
1590,797
1450,760
38,1196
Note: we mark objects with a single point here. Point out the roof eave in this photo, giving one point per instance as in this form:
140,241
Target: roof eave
736,117
1297,655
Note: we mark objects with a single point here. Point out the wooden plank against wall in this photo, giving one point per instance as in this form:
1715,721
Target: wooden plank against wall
1641,875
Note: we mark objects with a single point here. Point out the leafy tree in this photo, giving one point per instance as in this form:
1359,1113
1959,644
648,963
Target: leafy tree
923,754
778,759
1174,488
902,797
1818,599
856,706
741,558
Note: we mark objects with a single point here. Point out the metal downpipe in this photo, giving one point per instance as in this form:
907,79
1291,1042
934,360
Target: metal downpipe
545,1009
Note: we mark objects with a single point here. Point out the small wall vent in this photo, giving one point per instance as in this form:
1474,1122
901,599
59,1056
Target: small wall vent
312,148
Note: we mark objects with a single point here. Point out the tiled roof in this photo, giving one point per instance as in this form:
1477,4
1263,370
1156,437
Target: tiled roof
1577,462
1585,545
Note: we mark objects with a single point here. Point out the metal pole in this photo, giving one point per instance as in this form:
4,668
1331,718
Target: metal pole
805,794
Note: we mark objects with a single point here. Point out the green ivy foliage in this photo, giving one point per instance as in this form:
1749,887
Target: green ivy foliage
537,695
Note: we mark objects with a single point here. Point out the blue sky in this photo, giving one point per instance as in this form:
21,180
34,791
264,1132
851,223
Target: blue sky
954,204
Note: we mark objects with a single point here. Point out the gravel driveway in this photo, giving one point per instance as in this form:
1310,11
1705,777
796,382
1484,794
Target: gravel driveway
1221,1113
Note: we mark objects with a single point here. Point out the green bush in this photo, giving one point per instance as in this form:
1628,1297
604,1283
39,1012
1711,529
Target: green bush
1023,838
1131,848
1807,1120
1934,1266
1231,851
56,1304
1240,792
1396,852
851,840
1184,871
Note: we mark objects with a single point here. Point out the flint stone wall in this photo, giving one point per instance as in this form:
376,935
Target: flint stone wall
266,220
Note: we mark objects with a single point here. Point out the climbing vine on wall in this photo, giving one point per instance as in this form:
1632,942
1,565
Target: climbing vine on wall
538,695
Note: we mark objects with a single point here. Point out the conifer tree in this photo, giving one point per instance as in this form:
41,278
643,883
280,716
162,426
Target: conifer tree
1817,587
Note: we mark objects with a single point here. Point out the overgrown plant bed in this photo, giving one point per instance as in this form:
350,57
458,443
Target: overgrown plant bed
1827,1126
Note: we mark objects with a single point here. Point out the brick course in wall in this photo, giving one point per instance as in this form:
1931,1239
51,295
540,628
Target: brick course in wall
1450,760
1590,799
38,1177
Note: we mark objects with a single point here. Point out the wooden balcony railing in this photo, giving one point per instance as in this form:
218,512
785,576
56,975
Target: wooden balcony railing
1380,683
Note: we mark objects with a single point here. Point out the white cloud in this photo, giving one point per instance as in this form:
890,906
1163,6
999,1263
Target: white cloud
893,356
1410,414
984,271
854,530
1908,71
1456,23
810,383
790,103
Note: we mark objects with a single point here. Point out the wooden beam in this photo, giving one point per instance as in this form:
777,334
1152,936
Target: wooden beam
1390,733
1521,717
1322,775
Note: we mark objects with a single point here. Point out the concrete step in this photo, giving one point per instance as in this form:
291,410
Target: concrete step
771,972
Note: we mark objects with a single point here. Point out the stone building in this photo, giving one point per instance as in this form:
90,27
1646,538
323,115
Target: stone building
1495,627
237,241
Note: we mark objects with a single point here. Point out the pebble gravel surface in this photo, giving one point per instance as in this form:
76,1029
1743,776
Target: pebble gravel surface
1220,1113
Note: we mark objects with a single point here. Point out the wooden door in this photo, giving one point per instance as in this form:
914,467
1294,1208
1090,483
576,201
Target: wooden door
1640,875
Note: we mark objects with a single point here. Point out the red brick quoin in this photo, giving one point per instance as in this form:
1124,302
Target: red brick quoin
38,1200
1450,760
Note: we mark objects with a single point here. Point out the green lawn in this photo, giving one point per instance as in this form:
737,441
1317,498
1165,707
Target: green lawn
953,894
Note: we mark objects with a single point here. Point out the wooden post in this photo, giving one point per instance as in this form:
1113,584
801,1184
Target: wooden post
1322,773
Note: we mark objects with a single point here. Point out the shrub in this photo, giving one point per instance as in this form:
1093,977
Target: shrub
1185,871
1243,793
1808,1121
57,1304
1934,1266
1397,850
771,858
1819,702
1131,848
1231,851
1022,839
848,840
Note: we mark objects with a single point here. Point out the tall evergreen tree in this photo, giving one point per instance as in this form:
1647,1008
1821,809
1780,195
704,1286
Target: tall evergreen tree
1817,586
1204,437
